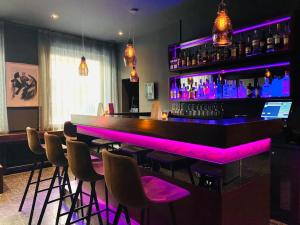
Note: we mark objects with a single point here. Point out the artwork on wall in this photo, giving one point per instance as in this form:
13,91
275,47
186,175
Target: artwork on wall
150,91
21,85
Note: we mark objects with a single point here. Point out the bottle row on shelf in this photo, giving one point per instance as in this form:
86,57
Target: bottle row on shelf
211,111
206,87
257,42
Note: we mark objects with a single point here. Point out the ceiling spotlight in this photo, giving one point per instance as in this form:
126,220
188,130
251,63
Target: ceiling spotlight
120,33
54,16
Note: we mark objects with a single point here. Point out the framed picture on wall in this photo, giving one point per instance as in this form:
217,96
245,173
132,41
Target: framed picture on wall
150,91
21,85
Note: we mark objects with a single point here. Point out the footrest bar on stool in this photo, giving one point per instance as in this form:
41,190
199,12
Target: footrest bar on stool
82,218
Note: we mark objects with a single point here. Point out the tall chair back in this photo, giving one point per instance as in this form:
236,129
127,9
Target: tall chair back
34,141
54,150
80,161
70,131
123,180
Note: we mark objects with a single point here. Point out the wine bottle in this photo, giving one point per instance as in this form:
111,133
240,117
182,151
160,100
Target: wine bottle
270,41
248,49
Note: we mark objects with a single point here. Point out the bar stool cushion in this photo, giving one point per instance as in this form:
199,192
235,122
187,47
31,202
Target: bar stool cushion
164,157
99,167
103,142
131,149
161,191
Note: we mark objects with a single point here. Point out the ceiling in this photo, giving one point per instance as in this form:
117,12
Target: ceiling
101,19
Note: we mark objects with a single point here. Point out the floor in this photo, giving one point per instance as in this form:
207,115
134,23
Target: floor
10,200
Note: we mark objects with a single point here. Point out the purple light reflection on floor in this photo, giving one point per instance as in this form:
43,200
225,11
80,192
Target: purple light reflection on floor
196,151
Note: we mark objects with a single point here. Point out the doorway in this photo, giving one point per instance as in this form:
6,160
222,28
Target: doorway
130,96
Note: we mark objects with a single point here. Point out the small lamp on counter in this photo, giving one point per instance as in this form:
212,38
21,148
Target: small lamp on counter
164,115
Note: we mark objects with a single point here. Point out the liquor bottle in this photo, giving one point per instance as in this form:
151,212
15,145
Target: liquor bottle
250,89
234,51
171,63
171,92
206,89
242,91
204,54
263,42
286,36
192,92
176,91
218,54
179,61
196,90
255,43
248,48
225,90
270,41
257,89
194,59
188,59
275,90
234,90
226,53
183,59
266,89
212,89
241,46
286,84
278,38
219,93
199,57
200,90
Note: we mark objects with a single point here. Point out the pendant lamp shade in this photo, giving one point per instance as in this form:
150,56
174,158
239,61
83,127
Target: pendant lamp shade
83,68
222,30
129,55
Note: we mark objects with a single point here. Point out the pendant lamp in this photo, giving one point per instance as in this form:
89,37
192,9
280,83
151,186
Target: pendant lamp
129,55
222,30
134,77
83,67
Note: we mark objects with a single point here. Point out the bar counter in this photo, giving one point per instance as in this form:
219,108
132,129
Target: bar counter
219,141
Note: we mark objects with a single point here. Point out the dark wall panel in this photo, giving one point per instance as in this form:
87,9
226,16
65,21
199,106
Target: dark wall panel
20,118
21,46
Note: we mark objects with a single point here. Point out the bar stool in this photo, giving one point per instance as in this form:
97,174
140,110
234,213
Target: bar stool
56,156
131,190
70,131
170,161
81,166
39,153
135,151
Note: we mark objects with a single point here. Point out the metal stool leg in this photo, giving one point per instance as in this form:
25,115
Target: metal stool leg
126,215
78,190
48,195
106,203
36,192
27,186
94,195
61,195
117,216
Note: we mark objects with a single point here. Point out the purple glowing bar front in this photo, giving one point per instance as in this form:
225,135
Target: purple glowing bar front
204,40
195,151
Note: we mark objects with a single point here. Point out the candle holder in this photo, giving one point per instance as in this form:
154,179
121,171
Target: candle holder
164,115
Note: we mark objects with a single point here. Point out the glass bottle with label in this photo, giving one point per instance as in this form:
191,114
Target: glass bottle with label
242,91
250,90
204,54
248,49
200,92
266,89
183,59
270,41
278,36
255,43
199,57
234,51
263,42
188,59
286,36
286,84
241,47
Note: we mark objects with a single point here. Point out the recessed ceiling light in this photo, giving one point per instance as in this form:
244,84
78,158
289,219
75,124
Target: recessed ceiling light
54,16
120,33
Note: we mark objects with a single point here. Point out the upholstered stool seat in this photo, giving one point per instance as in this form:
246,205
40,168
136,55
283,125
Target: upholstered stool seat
160,191
171,161
135,151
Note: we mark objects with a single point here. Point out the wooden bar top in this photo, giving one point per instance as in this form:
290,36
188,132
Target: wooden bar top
222,133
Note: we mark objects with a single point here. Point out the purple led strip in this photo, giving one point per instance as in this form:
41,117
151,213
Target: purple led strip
248,68
208,39
195,151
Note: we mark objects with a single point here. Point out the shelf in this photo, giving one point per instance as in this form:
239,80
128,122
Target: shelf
239,62
229,100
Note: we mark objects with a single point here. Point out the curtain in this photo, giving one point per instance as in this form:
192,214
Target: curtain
62,91
3,109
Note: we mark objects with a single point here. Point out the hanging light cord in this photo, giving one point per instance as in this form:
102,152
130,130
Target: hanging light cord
82,32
